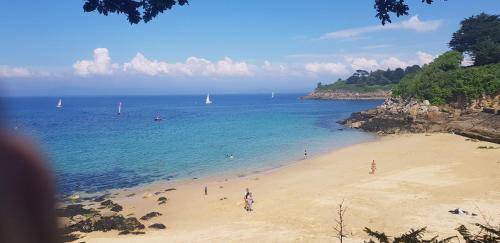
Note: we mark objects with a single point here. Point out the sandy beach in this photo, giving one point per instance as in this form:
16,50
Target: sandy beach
418,179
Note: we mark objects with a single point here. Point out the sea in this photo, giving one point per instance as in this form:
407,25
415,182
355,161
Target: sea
92,148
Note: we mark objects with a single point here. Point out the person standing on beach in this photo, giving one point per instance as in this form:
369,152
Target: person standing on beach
373,168
245,197
249,202
206,190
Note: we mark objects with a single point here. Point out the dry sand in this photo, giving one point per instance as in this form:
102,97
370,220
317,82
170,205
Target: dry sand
418,179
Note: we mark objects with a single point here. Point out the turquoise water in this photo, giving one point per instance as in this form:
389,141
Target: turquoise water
91,148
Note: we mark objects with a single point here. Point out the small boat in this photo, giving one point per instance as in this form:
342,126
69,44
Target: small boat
120,108
208,101
157,119
59,104
272,95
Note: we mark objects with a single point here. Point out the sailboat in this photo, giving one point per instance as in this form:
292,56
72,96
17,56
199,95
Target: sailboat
120,108
272,95
208,101
59,103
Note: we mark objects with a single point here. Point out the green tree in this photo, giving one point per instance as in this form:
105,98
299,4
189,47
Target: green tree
444,81
479,36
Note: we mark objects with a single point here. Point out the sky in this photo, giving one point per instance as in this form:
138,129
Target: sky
53,48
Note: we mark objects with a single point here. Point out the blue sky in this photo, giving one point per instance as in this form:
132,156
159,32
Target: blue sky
217,46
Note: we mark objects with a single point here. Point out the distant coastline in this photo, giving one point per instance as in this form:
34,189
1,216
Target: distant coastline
347,95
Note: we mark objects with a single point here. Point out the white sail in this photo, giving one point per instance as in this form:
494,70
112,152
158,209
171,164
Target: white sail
208,101
59,103
272,94
119,108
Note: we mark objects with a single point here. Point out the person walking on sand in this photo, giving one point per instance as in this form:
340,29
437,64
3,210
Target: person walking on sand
249,202
305,153
245,198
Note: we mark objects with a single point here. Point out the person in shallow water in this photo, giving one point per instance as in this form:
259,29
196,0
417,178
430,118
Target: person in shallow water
305,153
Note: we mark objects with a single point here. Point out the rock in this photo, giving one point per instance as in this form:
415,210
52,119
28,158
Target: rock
73,210
162,202
161,199
115,207
426,103
126,232
356,124
157,226
398,116
170,189
150,215
78,218
105,223
100,198
433,108
117,223
70,237
107,203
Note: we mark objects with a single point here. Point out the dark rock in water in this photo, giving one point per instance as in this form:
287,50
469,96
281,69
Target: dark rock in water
116,208
157,226
73,210
150,215
170,189
160,199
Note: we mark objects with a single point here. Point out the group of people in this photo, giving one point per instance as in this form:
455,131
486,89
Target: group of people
248,200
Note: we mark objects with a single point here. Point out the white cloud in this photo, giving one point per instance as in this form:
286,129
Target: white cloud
14,72
414,23
425,58
23,72
362,63
326,68
193,66
392,63
100,65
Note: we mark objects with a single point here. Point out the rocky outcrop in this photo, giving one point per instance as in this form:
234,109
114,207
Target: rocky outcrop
347,95
398,116
150,215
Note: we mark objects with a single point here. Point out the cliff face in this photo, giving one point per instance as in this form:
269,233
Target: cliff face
397,116
347,95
